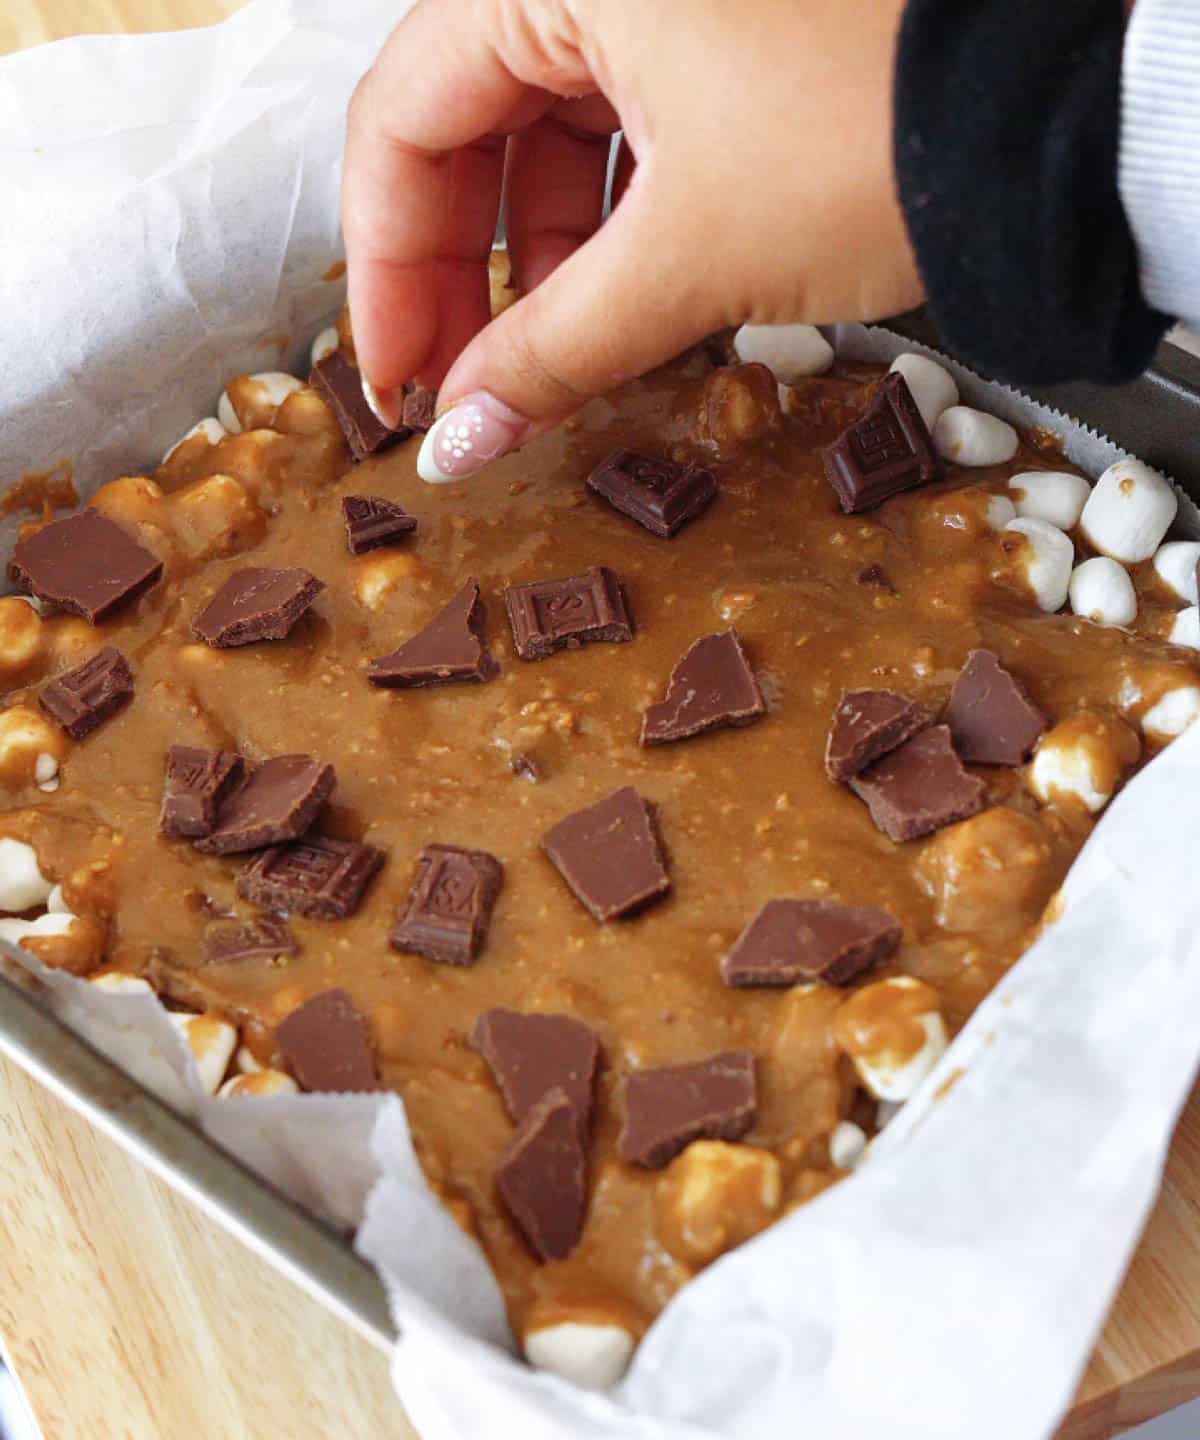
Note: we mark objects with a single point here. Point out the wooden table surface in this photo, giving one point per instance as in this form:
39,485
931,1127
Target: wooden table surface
119,1300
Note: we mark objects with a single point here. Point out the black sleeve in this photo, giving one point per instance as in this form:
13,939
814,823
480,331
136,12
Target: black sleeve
1007,118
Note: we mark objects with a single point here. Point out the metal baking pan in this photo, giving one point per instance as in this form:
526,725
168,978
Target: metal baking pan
1157,417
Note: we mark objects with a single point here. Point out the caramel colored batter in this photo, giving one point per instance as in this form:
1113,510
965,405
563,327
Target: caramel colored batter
745,815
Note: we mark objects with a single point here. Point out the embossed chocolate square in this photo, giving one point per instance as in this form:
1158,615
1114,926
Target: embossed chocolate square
317,875
450,906
196,785
83,698
888,449
661,495
551,615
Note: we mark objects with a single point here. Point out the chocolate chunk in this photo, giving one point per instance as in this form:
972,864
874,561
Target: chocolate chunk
279,801
256,603
326,1044
991,718
450,649
341,384
450,905
316,875
85,697
876,575
866,725
551,615
267,938
790,941
919,787
659,494
666,1109
197,784
542,1177
420,408
372,521
610,856
86,564
528,767
711,686
886,450
530,1055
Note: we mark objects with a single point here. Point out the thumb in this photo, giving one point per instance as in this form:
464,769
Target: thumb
633,296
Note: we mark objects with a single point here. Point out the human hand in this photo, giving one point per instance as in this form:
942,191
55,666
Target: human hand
762,190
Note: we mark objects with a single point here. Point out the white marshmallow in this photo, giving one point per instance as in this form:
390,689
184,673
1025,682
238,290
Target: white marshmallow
245,1063
591,1355
971,437
45,771
790,352
1130,509
1102,591
212,1042
1172,715
1185,628
931,385
262,1082
211,428
274,386
1071,764
119,984
325,344
56,902
1175,565
847,1145
892,1070
22,884
16,932
1045,562
1055,496
1000,511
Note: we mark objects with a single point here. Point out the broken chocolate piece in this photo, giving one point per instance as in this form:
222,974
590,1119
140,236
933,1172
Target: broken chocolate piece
86,564
372,521
866,725
450,649
790,941
711,686
256,603
992,719
197,784
279,801
531,1054
876,575
542,1177
316,875
659,494
666,1109
450,906
267,938
341,384
919,787
85,697
420,408
886,450
551,615
610,855
326,1044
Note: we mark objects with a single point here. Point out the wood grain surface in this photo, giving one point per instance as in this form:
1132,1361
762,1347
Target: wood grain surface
130,1315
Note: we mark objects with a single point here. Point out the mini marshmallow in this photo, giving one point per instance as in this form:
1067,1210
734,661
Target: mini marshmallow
1172,715
972,437
325,344
1084,757
1175,565
16,932
1130,509
894,1034
1055,496
212,1042
1000,512
847,1145
1046,561
1102,591
245,1063
274,386
210,427
262,1082
594,1356
56,902
930,384
22,884
118,983
45,771
1185,628
790,352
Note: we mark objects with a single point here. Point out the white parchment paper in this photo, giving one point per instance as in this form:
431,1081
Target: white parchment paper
170,213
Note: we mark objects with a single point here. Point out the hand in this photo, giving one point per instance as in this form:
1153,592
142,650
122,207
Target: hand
760,142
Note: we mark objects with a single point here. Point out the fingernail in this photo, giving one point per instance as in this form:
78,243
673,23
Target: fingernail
470,435
386,405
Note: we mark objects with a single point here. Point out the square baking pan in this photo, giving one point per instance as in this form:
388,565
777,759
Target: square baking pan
1156,417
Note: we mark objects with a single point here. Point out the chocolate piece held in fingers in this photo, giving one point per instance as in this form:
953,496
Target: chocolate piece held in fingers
919,787
991,718
531,1054
197,784
450,907
711,686
866,725
419,410
279,801
340,383
542,1177
659,494
551,615
451,649
886,450
372,521
326,1044
610,855
81,699
267,938
790,941
317,875
86,564
666,1109
256,603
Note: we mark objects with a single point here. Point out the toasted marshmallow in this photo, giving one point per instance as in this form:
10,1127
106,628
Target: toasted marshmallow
210,427
1045,561
894,1034
22,884
1056,496
1102,591
20,633
972,437
25,737
1175,564
790,352
116,982
16,932
325,344
1000,512
268,389
261,1082
931,385
212,1042
847,1145
592,1355
45,771
713,1196
1185,628
1173,713
1083,758
1130,509
245,1063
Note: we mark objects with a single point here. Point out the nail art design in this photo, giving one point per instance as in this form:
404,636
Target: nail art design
468,436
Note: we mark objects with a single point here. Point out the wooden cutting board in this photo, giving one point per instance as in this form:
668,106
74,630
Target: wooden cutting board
129,1314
